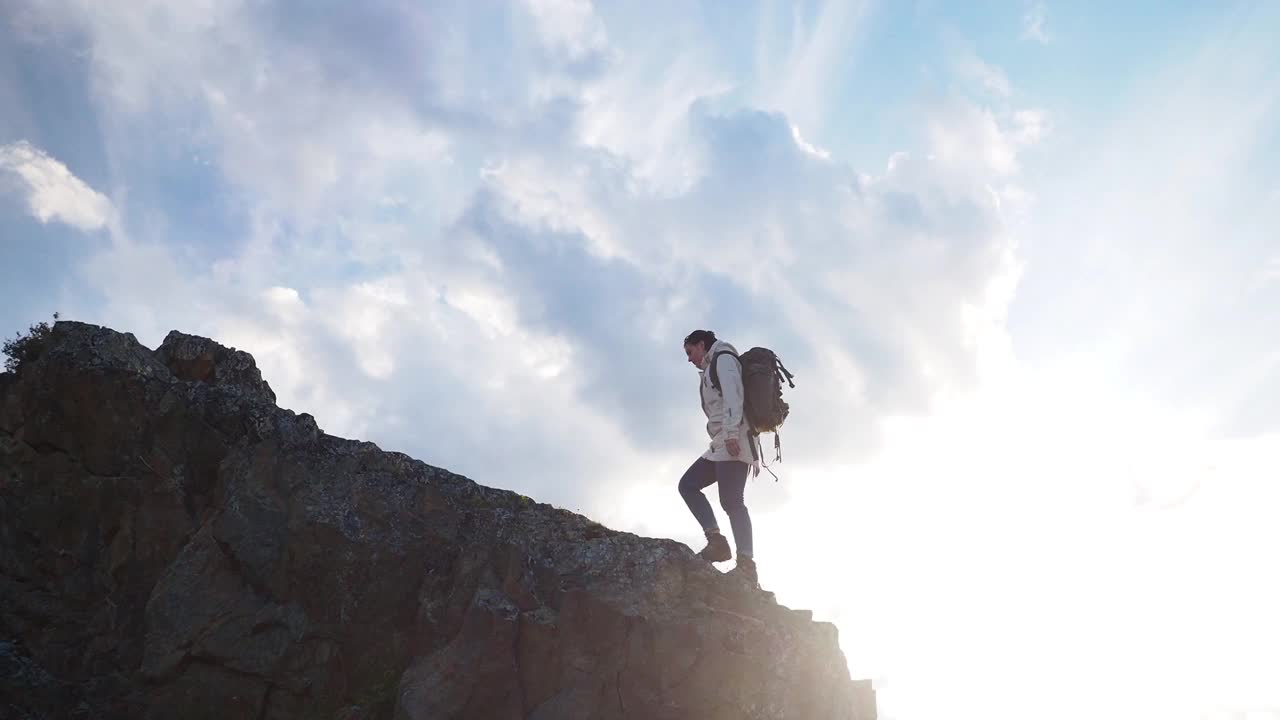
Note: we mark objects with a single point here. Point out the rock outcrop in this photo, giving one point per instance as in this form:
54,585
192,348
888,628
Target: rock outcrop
174,545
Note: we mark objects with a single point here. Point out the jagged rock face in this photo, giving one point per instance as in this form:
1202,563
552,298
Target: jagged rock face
174,545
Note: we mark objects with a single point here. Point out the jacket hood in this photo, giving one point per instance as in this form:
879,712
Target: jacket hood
717,346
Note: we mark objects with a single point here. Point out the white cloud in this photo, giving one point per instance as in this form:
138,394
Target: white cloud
570,163
1174,236
1030,126
1270,271
807,147
1033,24
639,111
797,77
52,191
976,139
990,77
569,26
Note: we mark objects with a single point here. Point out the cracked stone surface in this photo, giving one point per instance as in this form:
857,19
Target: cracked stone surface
175,545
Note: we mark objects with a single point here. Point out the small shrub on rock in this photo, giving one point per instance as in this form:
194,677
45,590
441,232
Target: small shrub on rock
24,348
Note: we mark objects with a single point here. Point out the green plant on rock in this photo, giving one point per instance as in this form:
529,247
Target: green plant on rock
24,348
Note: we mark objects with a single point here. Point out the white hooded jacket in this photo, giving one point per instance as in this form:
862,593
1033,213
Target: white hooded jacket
724,409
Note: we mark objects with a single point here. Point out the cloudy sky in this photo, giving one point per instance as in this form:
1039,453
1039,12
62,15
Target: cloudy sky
1023,258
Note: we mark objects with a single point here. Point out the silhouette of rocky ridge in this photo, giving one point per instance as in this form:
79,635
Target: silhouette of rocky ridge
174,545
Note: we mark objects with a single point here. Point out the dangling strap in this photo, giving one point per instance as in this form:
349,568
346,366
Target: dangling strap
771,472
755,454
783,373
777,447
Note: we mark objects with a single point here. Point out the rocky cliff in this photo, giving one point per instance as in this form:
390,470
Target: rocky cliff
174,545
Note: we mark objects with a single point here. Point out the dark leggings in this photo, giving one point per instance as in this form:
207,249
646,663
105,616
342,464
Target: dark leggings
731,476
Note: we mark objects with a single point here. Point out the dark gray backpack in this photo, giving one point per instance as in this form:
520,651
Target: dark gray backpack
762,377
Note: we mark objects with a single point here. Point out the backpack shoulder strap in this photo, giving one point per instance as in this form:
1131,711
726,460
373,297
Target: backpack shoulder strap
715,376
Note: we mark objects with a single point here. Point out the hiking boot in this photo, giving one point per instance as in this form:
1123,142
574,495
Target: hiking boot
717,549
746,569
